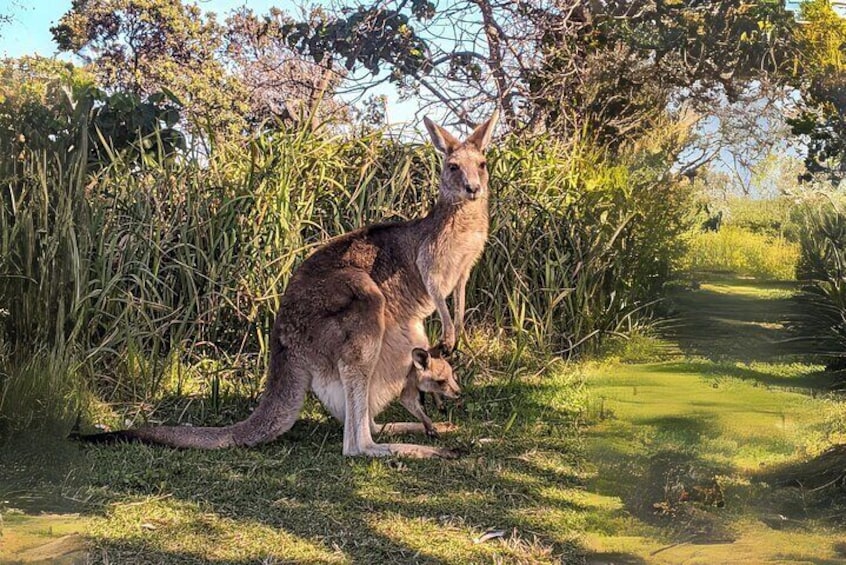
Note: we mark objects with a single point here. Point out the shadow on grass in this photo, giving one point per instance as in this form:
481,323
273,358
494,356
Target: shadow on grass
521,475
818,485
664,468
672,488
740,327
33,465
804,381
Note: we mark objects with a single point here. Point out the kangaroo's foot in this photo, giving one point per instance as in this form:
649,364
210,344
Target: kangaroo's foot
398,428
408,450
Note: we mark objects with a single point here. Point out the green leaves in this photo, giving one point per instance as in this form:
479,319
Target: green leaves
822,266
820,76
368,36
422,9
147,47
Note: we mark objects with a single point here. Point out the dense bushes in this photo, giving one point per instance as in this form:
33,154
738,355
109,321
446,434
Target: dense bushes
140,273
822,266
740,250
772,216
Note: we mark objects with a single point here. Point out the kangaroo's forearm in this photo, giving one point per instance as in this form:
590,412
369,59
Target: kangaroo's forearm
410,399
447,327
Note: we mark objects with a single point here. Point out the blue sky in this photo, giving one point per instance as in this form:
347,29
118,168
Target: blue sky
29,33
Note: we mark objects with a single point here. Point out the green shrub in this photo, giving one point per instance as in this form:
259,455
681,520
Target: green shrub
738,250
772,217
822,267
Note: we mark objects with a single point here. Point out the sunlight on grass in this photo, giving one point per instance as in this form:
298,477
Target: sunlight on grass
711,419
690,405
169,529
299,500
671,463
40,538
681,445
739,250
752,289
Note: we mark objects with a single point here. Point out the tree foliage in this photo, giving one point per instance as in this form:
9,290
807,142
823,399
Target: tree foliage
620,67
45,104
608,70
279,82
229,76
140,46
821,78
566,66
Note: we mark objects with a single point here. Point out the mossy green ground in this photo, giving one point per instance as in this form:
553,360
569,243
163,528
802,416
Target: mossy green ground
679,454
667,471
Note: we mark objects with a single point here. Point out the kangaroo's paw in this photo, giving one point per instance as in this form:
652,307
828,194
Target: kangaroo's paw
398,428
445,427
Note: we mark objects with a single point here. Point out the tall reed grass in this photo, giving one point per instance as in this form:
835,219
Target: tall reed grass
128,279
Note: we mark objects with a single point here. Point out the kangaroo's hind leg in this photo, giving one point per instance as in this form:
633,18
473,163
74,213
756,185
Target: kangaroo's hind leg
358,439
363,324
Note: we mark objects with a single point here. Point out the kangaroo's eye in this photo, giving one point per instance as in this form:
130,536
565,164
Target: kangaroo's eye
453,167
483,165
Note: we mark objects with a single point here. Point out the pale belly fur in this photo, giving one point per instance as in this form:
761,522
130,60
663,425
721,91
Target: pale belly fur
456,260
388,378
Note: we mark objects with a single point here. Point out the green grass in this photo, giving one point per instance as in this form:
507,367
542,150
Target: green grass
680,446
739,250
692,424
671,467
299,500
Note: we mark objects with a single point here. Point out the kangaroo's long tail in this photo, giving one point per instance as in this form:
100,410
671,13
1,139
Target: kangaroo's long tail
276,413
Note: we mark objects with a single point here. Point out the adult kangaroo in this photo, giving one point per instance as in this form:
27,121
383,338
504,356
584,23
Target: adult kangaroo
353,313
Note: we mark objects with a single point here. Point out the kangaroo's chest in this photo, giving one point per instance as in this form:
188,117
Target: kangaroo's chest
455,255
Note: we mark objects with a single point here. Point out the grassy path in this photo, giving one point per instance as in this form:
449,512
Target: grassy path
681,445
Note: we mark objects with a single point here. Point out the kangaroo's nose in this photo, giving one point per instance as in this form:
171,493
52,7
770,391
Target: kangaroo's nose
472,188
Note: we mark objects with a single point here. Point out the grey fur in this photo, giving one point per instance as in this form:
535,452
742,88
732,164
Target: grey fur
354,310
435,376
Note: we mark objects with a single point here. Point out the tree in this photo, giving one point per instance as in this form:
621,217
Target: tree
144,46
821,78
441,55
568,66
279,82
232,76
47,104
631,61
36,97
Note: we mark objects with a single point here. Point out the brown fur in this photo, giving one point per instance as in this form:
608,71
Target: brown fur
354,310
429,373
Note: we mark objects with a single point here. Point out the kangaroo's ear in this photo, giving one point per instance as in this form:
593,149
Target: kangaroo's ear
441,138
420,358
481,136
